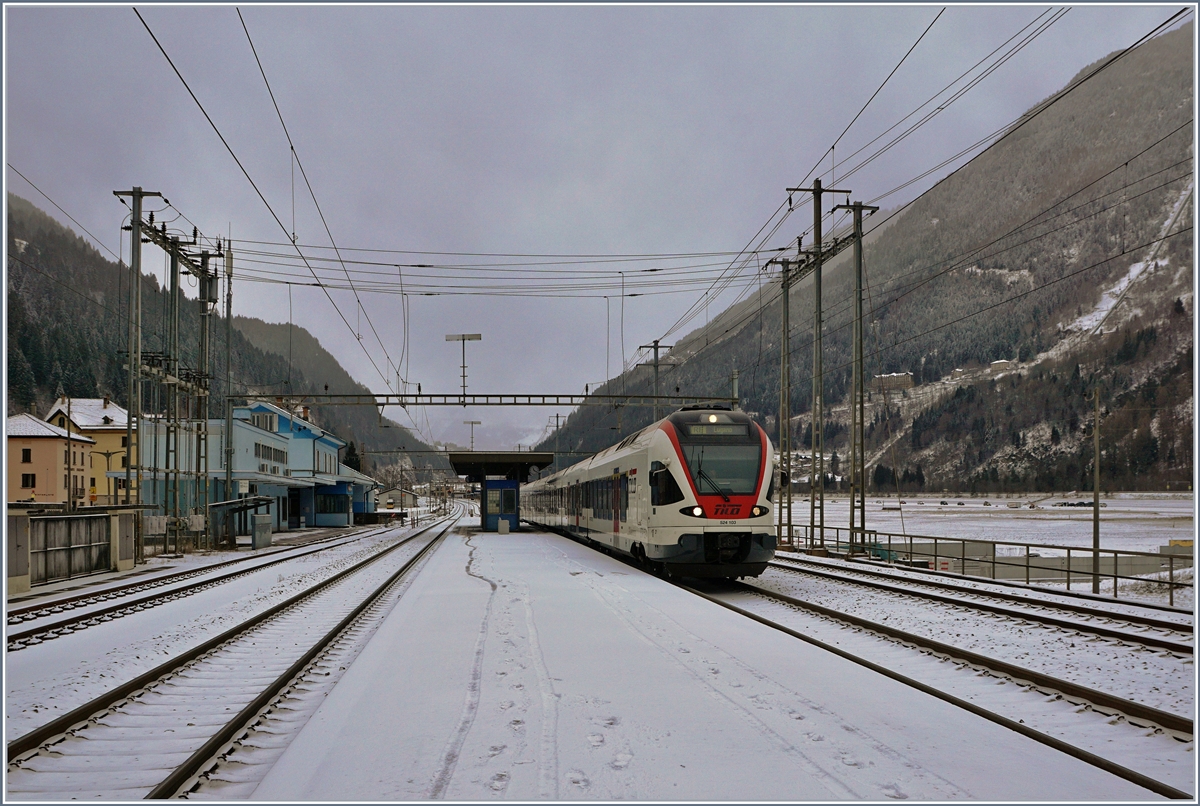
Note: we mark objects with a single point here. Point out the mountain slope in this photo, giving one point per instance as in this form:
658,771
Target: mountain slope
1005,259
68,330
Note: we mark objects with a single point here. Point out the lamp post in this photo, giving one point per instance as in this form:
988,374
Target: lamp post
472,423
464,338
108,455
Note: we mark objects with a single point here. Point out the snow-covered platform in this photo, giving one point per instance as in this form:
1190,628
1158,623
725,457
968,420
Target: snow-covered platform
526,666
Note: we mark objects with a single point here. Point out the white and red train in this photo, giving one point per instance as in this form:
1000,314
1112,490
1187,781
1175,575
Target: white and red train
689,495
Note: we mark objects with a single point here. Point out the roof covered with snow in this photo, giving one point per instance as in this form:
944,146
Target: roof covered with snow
26,425
91,413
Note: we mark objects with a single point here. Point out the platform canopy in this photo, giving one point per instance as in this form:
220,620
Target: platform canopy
513,465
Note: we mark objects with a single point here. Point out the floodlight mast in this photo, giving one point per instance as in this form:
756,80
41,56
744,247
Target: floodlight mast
464,338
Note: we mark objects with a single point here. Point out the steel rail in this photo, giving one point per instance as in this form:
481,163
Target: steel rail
202,758
1147,640
1107,765
154,599
1129,708
16,616
1134,618
81,715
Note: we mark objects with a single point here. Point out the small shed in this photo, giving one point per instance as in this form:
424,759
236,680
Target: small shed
499,475
395,500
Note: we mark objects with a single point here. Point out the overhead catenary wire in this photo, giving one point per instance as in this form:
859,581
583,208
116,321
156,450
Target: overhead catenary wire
304,175
249,179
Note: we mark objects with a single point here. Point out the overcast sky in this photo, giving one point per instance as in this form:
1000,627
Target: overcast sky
503,131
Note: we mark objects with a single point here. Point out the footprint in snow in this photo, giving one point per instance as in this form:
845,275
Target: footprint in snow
595,739
577,778
621,761
504,706
894,792
496,750
499,782
607,721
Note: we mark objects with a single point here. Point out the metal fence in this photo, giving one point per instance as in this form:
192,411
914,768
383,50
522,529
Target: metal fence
62,547
1083,568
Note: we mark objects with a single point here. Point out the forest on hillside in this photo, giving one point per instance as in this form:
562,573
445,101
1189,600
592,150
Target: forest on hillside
68,333
997,261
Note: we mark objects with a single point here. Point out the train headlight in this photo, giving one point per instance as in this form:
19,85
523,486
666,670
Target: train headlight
695,512
759,510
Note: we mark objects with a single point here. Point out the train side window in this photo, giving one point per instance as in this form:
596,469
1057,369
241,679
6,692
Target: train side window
624,497
663,487
771,489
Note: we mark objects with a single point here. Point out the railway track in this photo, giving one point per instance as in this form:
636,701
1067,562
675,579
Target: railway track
1090,725
153,736
1142,629
49,630
866,563
52,607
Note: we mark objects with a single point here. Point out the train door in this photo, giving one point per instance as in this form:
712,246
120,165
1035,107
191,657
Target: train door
615,502
577,503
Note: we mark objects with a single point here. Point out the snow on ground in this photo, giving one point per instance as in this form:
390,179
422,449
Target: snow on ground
1159,679
51,678
526,666
1130,522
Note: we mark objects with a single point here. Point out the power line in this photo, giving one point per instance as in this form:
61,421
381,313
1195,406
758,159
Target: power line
312,193
250,180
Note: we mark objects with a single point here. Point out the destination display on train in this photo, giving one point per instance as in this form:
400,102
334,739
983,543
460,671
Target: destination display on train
721,430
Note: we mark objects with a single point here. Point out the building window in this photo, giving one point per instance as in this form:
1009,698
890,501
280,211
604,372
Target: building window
93,481
124,442
62,422
124,461
26,455
28,480
331,504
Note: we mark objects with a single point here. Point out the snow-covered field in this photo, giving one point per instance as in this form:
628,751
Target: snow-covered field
1128,521
526,666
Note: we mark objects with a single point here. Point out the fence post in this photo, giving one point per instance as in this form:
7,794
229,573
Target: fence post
1027,564
1171,579
1068,569
935,554
993,562
963,557
1116,566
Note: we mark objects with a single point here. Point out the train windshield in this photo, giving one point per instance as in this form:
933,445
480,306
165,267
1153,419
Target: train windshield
723,469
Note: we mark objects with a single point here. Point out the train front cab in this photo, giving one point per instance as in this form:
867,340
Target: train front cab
726,462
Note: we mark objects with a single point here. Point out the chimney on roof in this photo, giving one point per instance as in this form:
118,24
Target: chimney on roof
304,410
105,401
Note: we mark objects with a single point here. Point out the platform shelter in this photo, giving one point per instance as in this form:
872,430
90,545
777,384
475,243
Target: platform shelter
499,475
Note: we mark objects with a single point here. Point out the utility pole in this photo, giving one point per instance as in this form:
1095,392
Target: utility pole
207,303
816,491
70,462
557,425
858,474
464,338
656,347
1096,499
171,508
472,423
737,401
785,406
133,421
229,392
